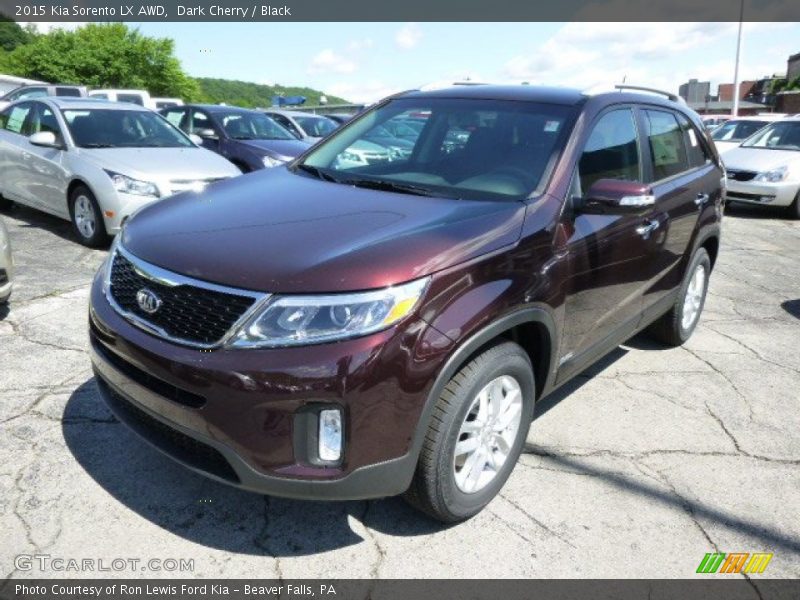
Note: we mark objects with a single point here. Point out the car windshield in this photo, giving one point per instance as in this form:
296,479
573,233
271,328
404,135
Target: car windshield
252,126
316,126
736,131
465,148
782,135
109,128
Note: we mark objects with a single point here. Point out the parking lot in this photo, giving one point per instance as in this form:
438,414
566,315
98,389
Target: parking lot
641,466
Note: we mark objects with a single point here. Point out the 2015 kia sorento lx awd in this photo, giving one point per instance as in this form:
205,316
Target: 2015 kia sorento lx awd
338,329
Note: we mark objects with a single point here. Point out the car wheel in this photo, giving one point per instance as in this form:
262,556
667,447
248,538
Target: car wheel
475,435
794,207
677,326
87,220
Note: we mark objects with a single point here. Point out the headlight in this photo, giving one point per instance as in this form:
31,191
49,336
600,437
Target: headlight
270,162
773,176
300,320
129,185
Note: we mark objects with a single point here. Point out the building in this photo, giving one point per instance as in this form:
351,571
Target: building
793,67
695,91
725,90
725,107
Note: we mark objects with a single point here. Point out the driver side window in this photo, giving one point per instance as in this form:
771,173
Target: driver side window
611,152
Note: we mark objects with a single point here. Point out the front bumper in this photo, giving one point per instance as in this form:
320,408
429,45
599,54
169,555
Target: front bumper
234,415
771,194
118,207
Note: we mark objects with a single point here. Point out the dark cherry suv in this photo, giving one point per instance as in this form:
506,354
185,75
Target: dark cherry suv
359,324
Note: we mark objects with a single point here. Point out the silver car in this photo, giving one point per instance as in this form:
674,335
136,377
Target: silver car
95,162
6,264
306,126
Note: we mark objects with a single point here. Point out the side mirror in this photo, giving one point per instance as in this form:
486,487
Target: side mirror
196,139
206,134
46,139
615,197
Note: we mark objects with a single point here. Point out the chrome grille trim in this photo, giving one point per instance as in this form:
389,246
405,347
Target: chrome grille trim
171,279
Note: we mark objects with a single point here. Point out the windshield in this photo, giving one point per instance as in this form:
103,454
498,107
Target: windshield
782,135
108,128
316,126
252,126
736,131
459,148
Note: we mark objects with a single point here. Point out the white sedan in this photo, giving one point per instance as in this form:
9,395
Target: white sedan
95,162
765,168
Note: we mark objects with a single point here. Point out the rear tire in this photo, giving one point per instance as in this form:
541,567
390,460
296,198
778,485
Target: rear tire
677,326
488,406
87,220
794,208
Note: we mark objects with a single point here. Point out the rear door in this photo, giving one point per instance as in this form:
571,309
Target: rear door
13,145
685,182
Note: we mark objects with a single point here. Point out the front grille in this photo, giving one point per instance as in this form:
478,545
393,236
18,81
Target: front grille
188,312
182,185
741,175
186,449
154,384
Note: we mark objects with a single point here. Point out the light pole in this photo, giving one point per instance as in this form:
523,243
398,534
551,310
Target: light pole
735,111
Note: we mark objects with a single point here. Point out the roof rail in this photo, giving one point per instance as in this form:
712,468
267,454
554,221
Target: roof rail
670,95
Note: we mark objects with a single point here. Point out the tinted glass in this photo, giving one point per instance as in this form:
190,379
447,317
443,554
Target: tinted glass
68,92
611,152
27,94
132,98
43,119
736,131
316,126
105,128
696,152
783,135
174,117
285,123
472,149
667,152
200,121
252,126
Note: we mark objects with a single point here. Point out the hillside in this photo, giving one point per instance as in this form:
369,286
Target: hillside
245,93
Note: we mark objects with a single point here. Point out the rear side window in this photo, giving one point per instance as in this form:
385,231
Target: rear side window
667,150
66,91
14,119
100,96
611,151
696,152
132,98
27,93
175,117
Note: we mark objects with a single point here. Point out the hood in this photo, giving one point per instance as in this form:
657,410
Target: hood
286,149
281,232
161,164
725,147
759,159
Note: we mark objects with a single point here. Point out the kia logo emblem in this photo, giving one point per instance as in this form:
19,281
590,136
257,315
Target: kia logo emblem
148,301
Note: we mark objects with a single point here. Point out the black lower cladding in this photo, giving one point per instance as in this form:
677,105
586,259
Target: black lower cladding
182,447
3,276
190,313
154,384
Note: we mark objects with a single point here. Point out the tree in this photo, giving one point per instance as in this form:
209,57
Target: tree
11,34
102,56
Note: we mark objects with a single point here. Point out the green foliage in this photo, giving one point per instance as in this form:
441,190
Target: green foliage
247,94
104,56
12,35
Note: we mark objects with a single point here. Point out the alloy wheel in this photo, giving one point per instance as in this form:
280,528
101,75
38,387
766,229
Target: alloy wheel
84,216
693,299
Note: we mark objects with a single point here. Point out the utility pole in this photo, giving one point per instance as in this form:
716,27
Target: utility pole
735,111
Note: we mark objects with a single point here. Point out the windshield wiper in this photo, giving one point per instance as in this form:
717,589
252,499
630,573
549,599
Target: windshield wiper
316,172
390,186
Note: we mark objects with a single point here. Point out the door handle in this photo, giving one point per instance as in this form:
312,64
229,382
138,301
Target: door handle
701,199
648,228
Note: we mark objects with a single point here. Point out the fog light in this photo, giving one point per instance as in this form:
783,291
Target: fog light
767,199
330,434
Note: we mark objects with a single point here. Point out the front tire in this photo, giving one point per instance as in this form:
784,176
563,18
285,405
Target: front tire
677,326
87,220
475,435
794,208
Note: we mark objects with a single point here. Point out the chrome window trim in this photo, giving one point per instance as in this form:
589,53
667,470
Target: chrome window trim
170,279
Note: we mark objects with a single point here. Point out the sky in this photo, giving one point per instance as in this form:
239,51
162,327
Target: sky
364,62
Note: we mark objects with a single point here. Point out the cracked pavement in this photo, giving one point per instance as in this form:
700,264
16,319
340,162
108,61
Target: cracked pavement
637,468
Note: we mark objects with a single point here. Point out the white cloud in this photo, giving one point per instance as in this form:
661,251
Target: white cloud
47,26
329,61
408,36
358,45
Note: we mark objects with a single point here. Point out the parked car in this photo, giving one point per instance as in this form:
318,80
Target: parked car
140,97
765,168
712,121
6,264
95,162
732,133
340,118
247,138
28,92
162,103
306,126
396,322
